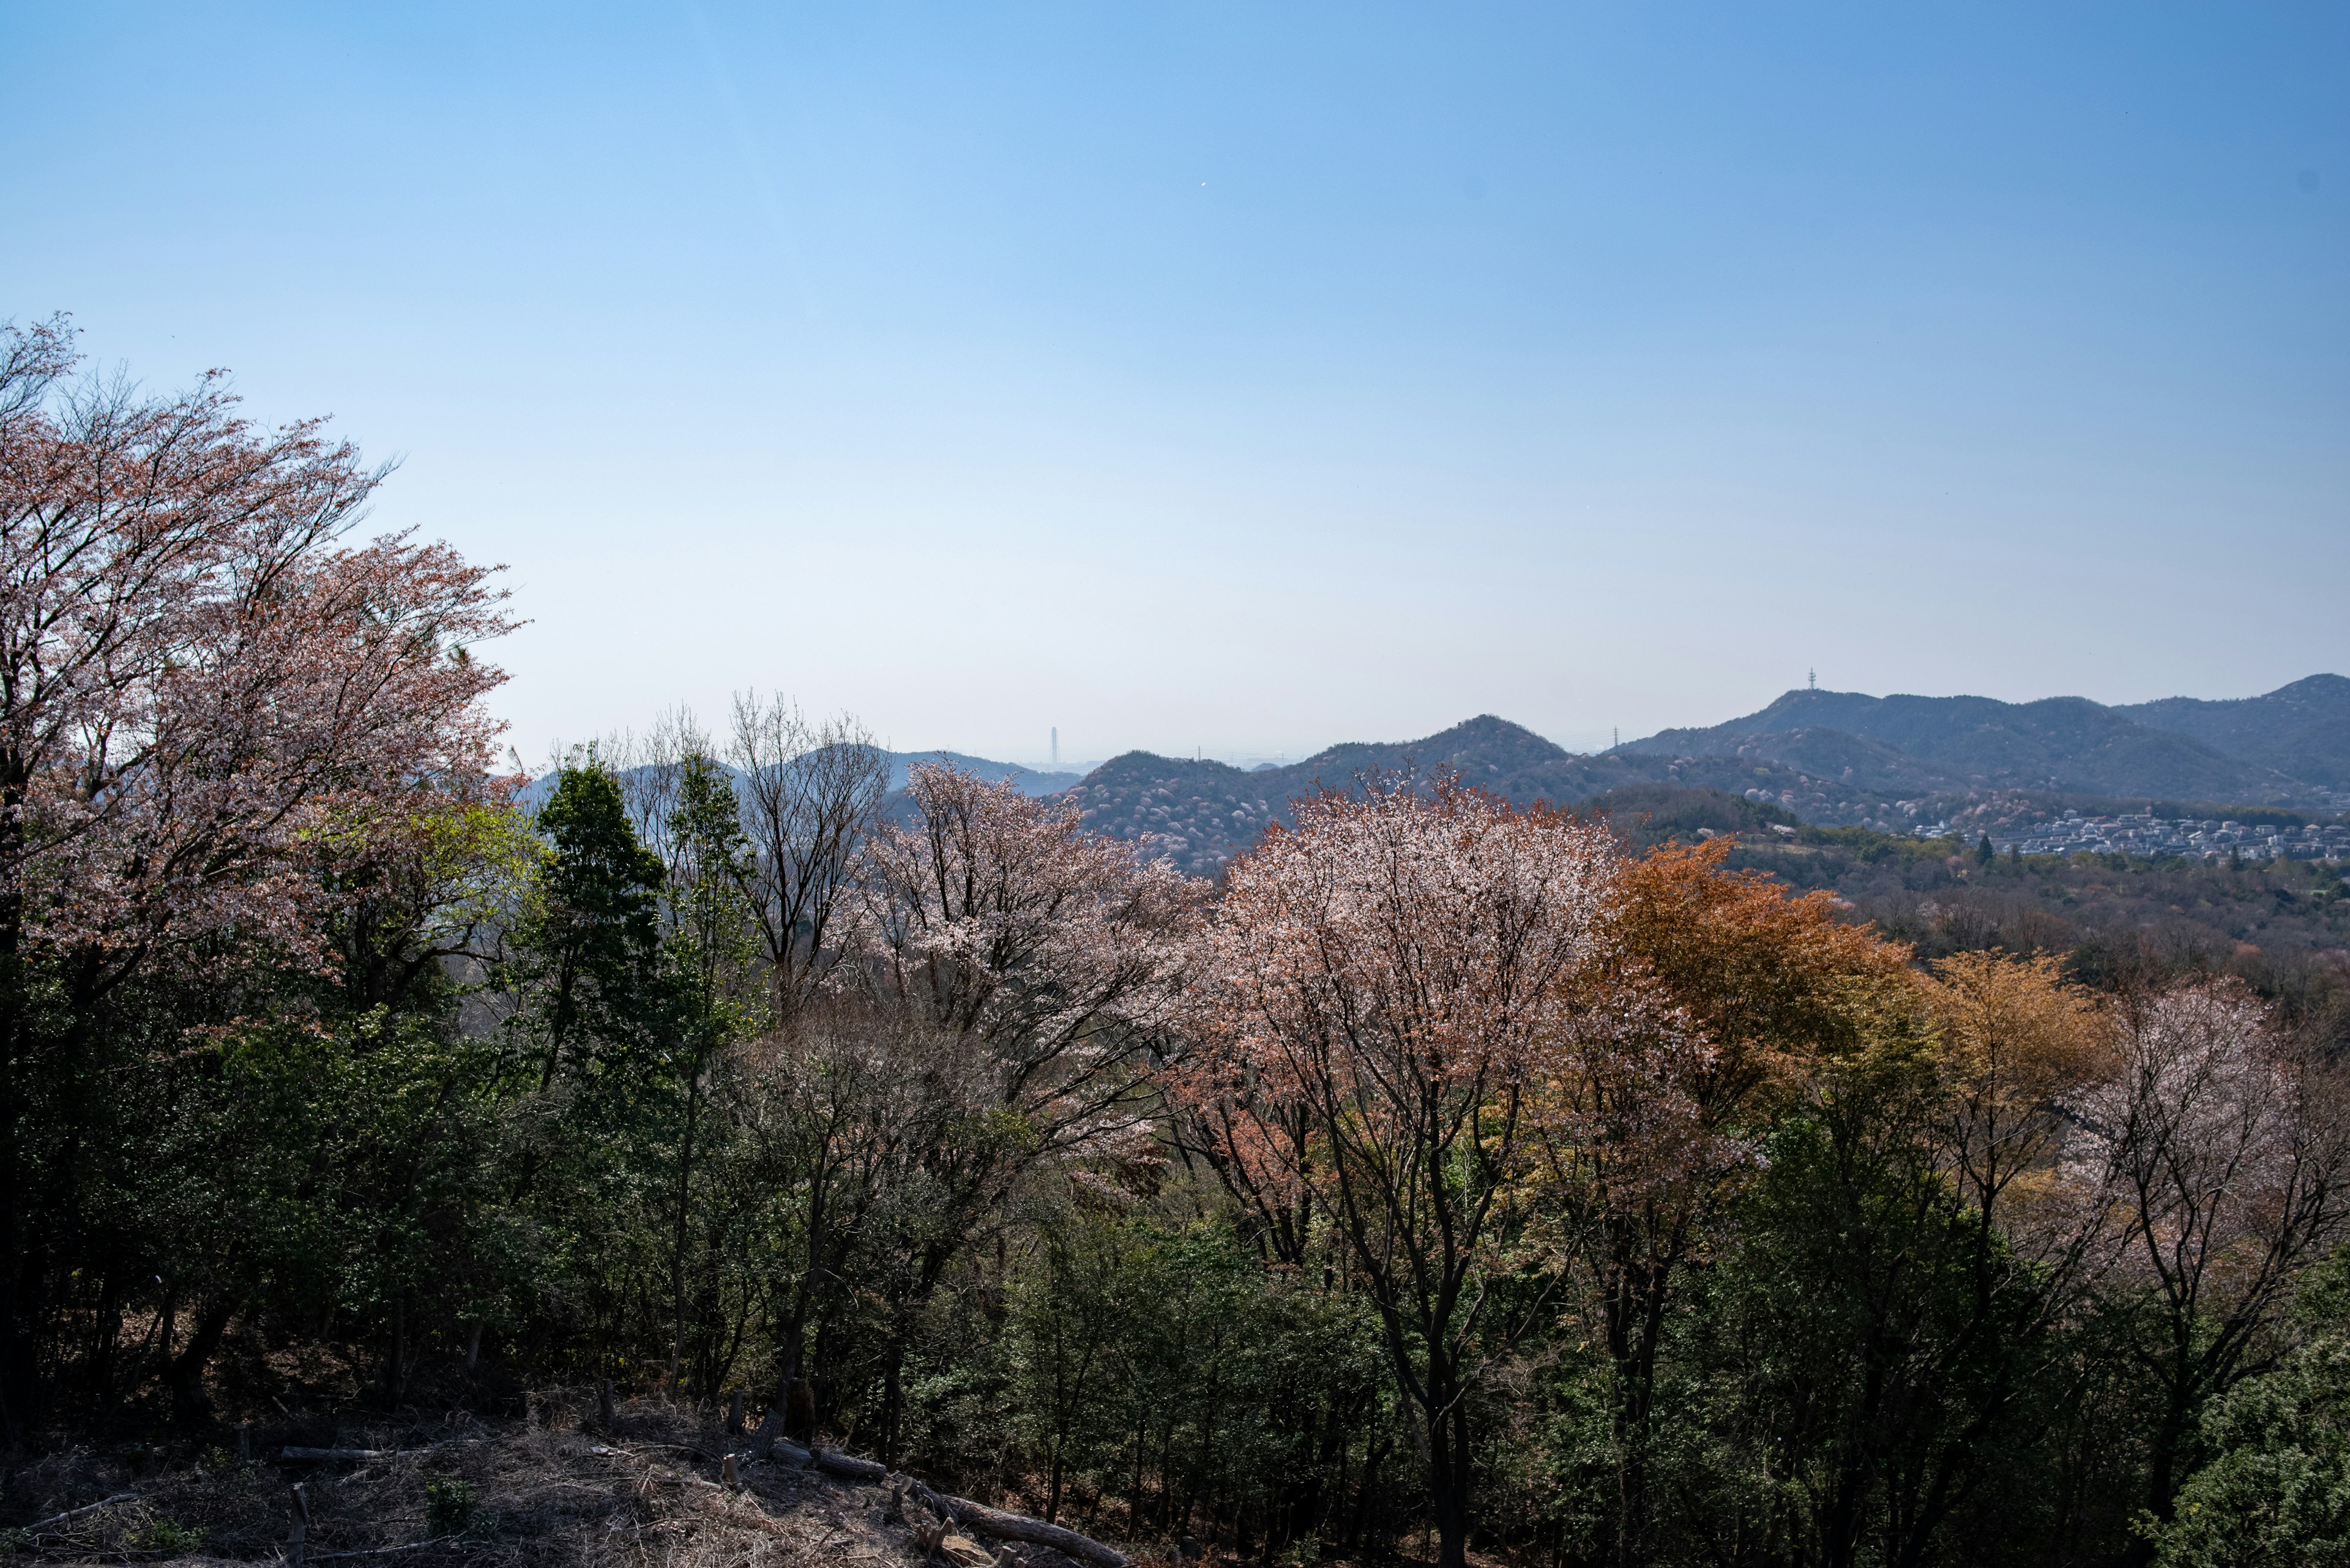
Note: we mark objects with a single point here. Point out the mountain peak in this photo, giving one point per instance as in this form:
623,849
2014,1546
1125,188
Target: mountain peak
1483,737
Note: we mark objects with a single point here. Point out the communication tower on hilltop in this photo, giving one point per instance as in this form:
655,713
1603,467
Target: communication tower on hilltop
1811,680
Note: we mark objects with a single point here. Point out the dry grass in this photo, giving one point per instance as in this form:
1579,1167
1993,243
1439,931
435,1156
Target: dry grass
553,1490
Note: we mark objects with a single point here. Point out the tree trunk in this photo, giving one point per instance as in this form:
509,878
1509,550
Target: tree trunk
794,1393
677,1244
1374,1451
2162,1477
184,1374
891,1403
395,1364
17,1356
1448,1463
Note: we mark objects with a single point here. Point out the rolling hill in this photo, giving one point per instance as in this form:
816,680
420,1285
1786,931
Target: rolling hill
1204,812
1910,744
1833,758
2303,729
1028,780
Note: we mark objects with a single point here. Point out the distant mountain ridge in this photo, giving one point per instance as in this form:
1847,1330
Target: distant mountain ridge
1831,757
901,763
1204,813
2290,745
2303,729
1897,763
1029,780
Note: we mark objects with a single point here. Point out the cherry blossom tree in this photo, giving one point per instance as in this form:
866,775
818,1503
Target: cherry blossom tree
202,687
2225,1148
1049,962
1393,979
995,916
195,671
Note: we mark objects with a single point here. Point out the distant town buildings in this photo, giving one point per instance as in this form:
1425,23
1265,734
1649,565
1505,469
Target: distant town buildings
2189,838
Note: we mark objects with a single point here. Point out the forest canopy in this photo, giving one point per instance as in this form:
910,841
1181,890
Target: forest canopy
1445,1175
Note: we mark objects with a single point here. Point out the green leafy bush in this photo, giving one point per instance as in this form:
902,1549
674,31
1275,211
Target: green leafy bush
2277,1492
451,1506
166,1537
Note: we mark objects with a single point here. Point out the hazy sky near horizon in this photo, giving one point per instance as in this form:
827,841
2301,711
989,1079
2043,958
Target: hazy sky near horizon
1253,378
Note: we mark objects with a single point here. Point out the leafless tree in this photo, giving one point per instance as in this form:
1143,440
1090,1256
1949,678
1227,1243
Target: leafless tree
811,792
650,769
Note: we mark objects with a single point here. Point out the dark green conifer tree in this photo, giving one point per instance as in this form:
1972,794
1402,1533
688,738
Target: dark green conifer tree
591,940
712,999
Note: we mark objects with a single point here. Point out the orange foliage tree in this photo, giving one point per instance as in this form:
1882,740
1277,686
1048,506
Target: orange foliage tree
1715,992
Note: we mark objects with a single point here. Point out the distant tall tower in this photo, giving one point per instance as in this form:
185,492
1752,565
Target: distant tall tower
1811,680
1056,748
1615,736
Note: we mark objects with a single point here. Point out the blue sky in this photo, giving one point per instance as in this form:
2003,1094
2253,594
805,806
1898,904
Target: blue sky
1253,377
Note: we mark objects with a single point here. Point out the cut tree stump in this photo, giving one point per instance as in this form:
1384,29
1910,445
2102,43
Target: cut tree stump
297,1540
762,1441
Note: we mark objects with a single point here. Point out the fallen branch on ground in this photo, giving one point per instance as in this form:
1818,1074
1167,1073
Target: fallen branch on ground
382,1550
78,1512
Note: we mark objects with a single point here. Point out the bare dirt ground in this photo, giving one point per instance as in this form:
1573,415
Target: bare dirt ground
558,1488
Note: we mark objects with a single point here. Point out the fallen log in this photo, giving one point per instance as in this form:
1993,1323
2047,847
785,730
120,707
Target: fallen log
847,1465
984,1520
293,1453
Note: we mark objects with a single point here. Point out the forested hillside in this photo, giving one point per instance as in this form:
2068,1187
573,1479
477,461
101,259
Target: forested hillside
1447,1175
1204,812
2303,729
1948,766
2288,747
